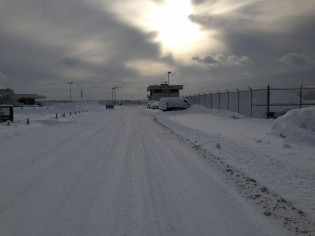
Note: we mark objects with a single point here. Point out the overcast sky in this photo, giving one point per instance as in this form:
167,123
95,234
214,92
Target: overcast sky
206,44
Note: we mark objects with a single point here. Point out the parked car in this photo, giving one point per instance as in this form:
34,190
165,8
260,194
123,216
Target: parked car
173,103
153,104
110,106
149,104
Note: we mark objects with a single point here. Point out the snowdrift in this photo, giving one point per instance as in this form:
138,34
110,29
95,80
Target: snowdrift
297,125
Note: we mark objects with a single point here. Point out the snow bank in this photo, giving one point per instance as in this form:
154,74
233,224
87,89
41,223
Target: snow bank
197,109
254,146
297,125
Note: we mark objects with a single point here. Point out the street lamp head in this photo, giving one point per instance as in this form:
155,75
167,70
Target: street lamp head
169,72
70,82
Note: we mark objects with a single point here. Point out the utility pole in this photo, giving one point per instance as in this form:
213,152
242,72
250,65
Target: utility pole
113,91
70,83
168,78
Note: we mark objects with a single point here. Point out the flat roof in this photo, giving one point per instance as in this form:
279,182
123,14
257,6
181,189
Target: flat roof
164,86
33,96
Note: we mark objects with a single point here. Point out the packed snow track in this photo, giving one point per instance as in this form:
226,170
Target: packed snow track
115,172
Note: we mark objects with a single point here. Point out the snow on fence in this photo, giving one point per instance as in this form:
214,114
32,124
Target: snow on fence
267,102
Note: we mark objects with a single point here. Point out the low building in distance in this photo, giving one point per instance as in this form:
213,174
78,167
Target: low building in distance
7,96
28,99
163,90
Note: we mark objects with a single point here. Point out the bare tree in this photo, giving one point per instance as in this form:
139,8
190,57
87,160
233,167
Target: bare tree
7,96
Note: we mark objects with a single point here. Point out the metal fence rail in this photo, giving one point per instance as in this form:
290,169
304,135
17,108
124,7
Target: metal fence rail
267,102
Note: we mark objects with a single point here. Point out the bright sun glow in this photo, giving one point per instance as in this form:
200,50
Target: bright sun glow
171,22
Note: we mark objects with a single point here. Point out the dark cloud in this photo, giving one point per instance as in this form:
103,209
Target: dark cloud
295,59
245,32
223,60
206,60
71,62
249,31
3,76
57,41
45,44
222,23
199,2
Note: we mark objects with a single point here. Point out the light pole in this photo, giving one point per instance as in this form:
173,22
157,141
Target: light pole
115,96
70,83
168,77
113,91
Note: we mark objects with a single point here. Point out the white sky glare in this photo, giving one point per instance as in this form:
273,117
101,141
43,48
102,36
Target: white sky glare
172,22
207,44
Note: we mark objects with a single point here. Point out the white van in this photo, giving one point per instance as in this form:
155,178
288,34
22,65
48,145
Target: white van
173,103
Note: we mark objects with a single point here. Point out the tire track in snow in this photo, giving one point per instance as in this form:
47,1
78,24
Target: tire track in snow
49,171
160,207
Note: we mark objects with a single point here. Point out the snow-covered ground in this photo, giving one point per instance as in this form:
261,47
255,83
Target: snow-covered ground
278,154
135,171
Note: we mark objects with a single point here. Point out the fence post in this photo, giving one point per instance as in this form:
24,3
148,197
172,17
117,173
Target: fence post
199,102
219,100
301,96
268,102
238,101
228,100
205,95
251,101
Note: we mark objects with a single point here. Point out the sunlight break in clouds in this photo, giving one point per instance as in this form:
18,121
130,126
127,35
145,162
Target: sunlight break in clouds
175,30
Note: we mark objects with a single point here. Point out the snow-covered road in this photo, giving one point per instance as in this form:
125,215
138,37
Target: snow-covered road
115,172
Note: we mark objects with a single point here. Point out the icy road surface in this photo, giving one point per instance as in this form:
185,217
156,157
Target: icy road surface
115,172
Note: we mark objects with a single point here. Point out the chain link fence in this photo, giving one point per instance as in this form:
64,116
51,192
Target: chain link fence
267,102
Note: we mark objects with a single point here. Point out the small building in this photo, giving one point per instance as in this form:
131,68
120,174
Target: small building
7,96
28,99
163,90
